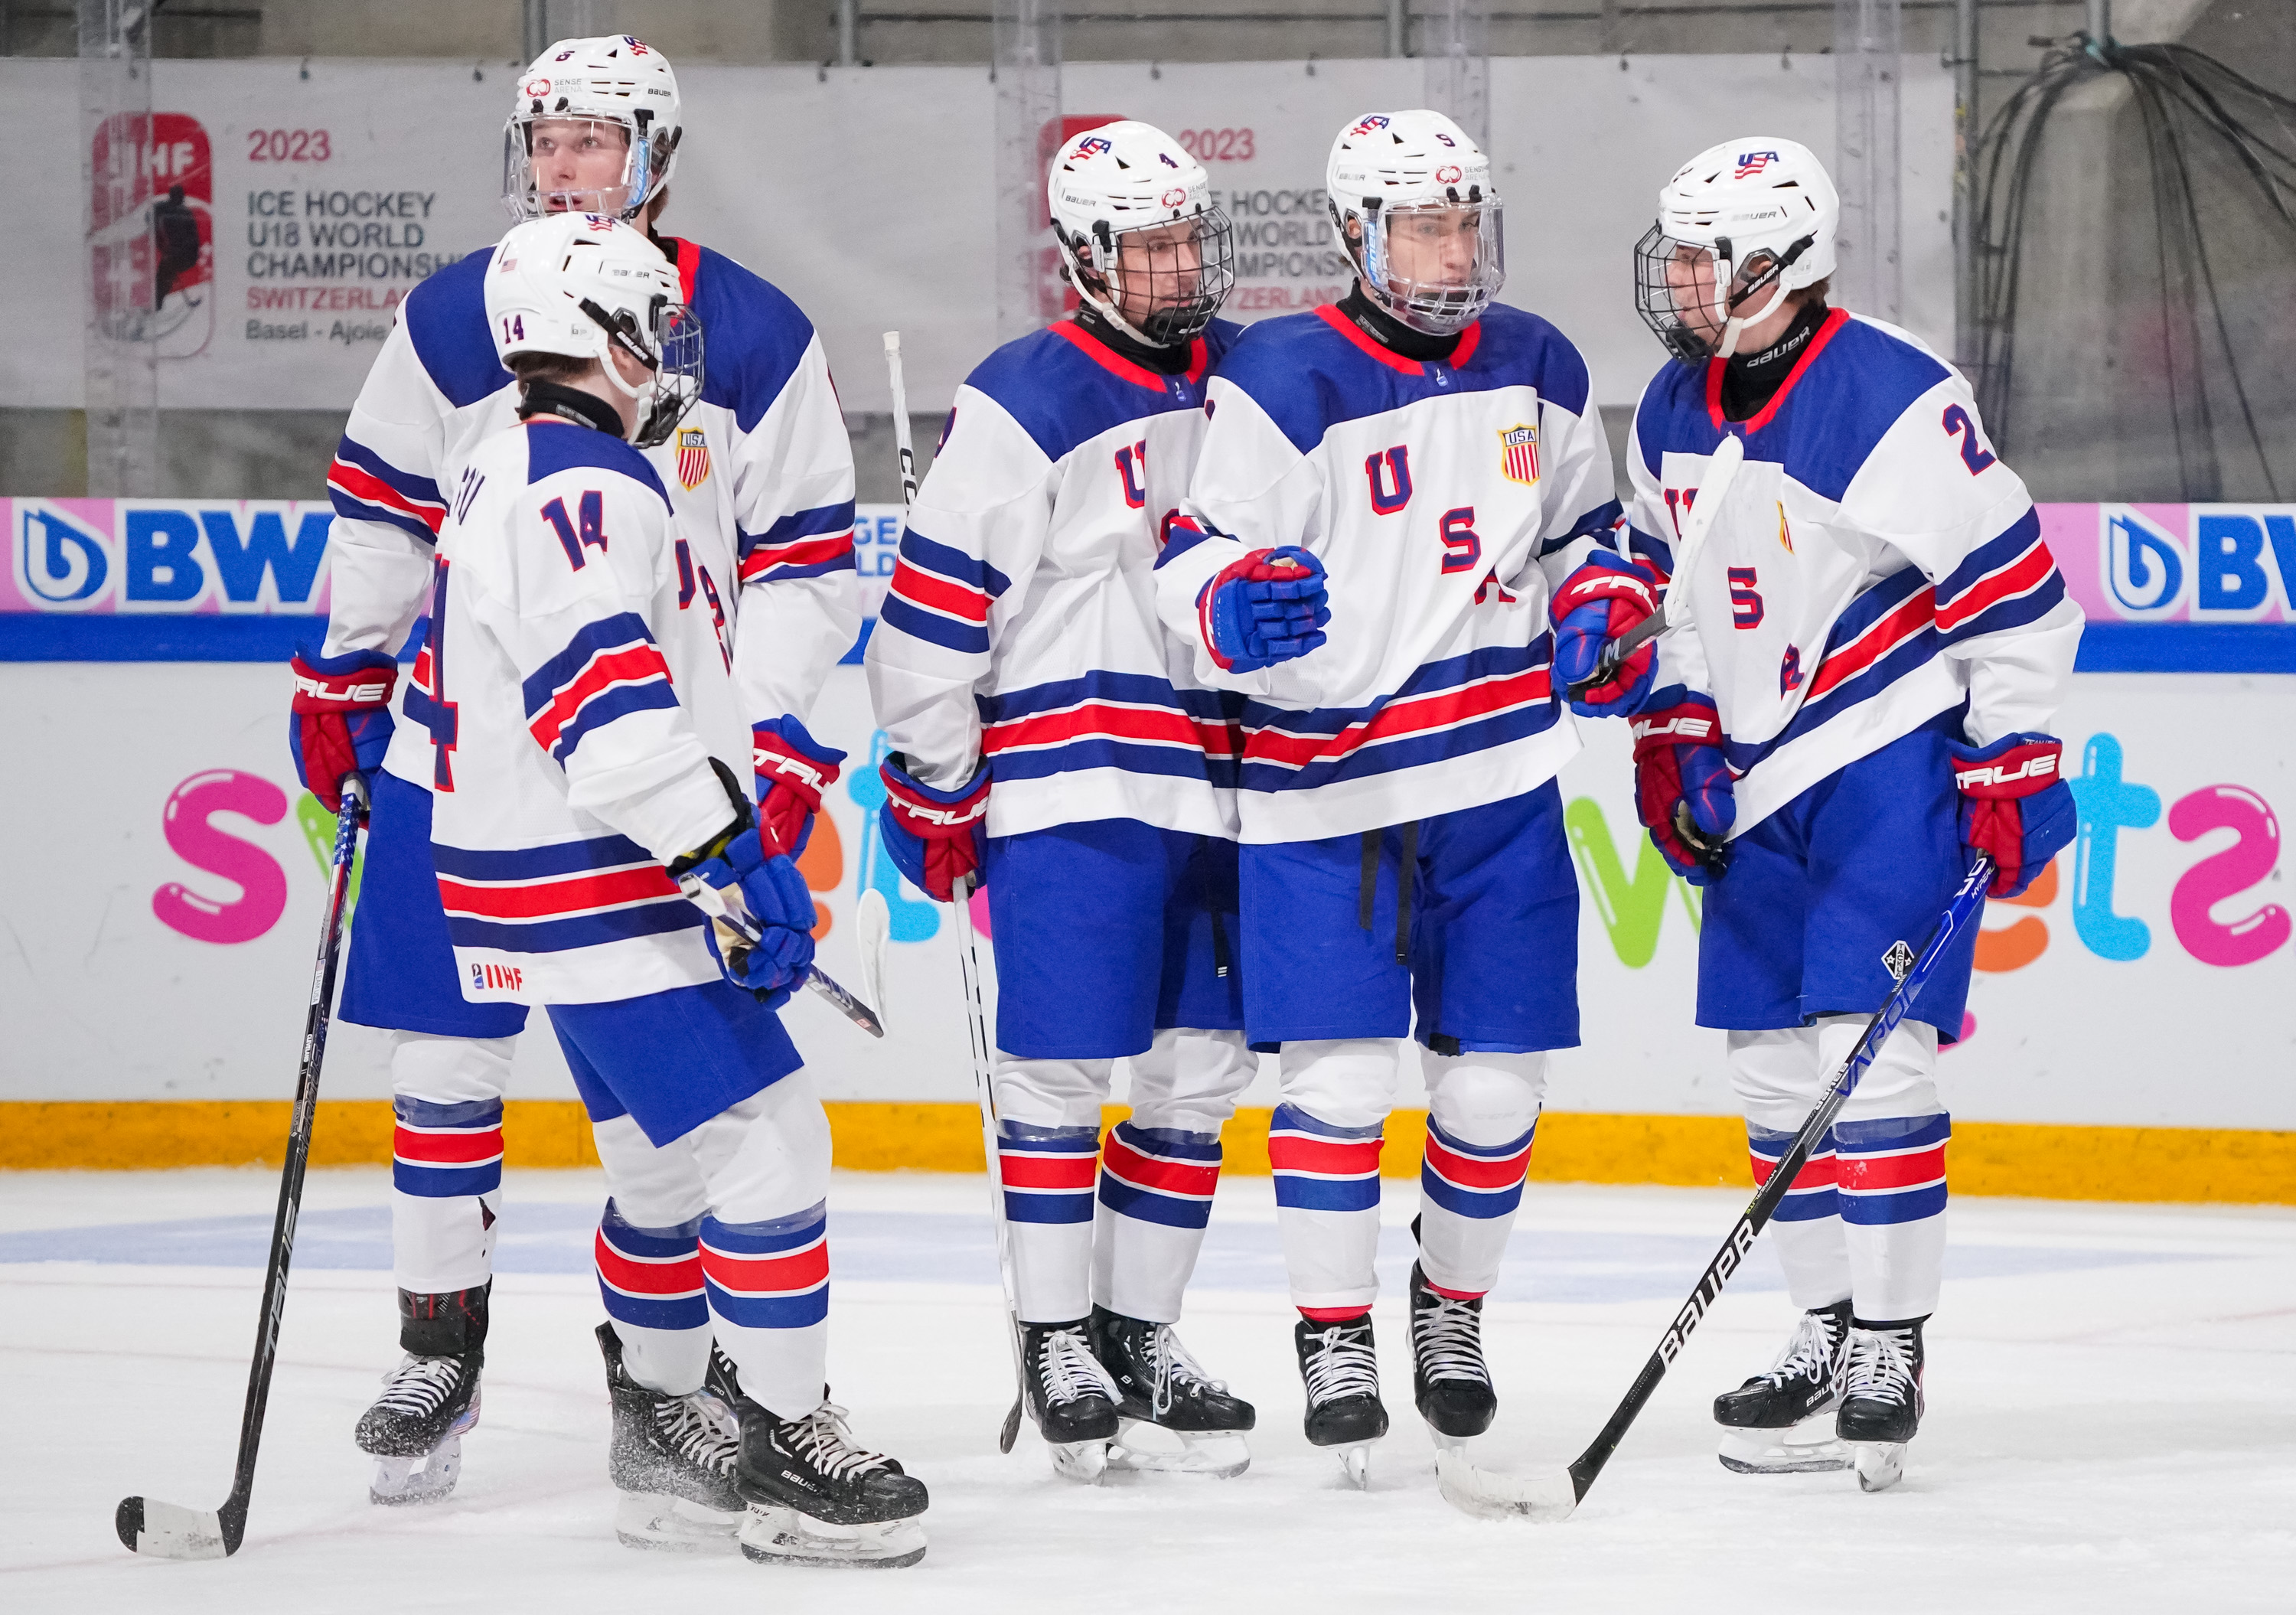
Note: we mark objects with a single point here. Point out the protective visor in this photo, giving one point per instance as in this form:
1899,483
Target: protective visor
1680,291
1164,281
1436,266
672,350
644,163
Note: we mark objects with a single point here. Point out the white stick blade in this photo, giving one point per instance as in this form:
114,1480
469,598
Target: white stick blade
873,928
171,1531
1544,1498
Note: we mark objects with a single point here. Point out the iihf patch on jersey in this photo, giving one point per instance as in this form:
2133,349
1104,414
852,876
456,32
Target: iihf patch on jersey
693,457
1519,454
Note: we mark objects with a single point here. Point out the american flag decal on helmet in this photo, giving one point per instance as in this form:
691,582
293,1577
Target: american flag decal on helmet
1518,456
693,457
1754,162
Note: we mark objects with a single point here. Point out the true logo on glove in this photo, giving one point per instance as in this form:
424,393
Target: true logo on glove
2040,765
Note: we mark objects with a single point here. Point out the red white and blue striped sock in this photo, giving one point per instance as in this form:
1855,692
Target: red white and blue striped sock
1155,1199
1893,1196
1806,1229
1327,1211
446,1192
768,1287
1468,1196
1048,1175
650,1282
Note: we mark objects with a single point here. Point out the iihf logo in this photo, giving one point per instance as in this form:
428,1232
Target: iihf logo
1753,162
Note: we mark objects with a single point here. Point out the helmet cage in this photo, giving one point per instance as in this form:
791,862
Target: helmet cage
1433,307
670,347
1728,286
1182,300
646,165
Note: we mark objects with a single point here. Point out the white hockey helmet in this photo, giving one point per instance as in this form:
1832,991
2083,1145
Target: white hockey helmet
1416,171
1753,214
615,78
580,285
1135,217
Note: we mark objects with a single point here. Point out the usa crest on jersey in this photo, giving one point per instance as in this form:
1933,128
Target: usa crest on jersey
1519,454
693,457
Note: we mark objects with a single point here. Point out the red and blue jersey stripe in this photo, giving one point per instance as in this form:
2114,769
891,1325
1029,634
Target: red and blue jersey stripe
804,544
1160,1175
365,486
941,595
1812,1196
651,1278
768,1275
438,1150
1134,721
1319,1167
566,894
1474,1180
1891,1170
610,668
1047,1172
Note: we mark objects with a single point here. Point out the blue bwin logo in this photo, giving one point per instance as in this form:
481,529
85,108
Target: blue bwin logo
58,564
2144,567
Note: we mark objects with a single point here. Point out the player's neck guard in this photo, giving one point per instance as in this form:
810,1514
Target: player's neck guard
569,404
1751,379
1166,361
1391,334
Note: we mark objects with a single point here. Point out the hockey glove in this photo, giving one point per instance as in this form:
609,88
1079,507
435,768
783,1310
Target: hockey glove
1603,600
793,769
1268,607
2014,806
754,879
933,835
1683,792
340,721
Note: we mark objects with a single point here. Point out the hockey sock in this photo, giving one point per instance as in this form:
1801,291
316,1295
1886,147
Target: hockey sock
769,1288
1155,1199
649,1280
1893,1200
1326,1210
445,1182
1334,1315
1047,1173
1469,1194
447,1324
1806,1229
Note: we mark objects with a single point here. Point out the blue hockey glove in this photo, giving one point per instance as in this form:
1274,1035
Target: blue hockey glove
1268,607
1603,600
934,836
765,886
2015,806
1684,793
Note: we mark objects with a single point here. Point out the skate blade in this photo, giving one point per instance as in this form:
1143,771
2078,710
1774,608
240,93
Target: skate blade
1543,1496
1355,1463
663,1524
783,1536
1142,1447
1807,1449
169,1530
1082,1461
428,1479
1881,1464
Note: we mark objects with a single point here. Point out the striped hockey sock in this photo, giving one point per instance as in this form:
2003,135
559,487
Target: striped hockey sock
1327,1212
1155,1199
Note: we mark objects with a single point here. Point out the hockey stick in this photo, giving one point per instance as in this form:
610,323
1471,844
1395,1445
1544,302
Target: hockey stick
169,1531
1721,471
712,902
1552,1495
901,445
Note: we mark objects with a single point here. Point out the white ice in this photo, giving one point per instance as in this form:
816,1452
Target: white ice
2110,1427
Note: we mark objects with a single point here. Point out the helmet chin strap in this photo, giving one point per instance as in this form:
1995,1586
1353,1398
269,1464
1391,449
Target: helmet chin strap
1106,306
1734,326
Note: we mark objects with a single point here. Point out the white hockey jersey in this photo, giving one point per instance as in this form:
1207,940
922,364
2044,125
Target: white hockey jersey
1445,499
1020,626
1874,562
760,472
580,684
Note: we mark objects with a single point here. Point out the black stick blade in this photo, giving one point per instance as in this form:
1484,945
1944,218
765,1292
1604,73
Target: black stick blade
1011,1431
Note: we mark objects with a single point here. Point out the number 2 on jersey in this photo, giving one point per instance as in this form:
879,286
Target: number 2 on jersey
1974,455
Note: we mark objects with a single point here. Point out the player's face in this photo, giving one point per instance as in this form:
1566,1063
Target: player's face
1157,270
1689,278
578,165
1434,246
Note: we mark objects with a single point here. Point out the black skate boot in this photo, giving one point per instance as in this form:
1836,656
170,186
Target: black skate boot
414,1429
818,1497
1761,1418
1159,1385
1341,1370
1449,1380
1882,1398
1071,1397
672,1460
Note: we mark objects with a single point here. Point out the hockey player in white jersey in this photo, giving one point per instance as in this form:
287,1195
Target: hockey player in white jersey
760,473
1389,490
590,766
1863,658
1050,744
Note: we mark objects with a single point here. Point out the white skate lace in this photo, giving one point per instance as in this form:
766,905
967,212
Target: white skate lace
1448,1338
1341,1365
1069,1370
1881,1365
822,1440
420,1386
689,1426
1814,1353
1174,1367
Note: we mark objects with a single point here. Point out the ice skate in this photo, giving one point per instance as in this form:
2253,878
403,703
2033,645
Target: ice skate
1172,1417
1450,1381
672,1459
818,1498
414,1429
1882,1399
1780,1421
1071,1397
1341,1370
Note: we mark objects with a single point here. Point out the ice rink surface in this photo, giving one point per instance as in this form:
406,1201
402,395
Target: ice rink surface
2111,1424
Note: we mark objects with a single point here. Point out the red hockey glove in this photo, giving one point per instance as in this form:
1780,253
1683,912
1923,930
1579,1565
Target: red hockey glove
933,835
340,719
1683,790
793,769
1606,598
2014,806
